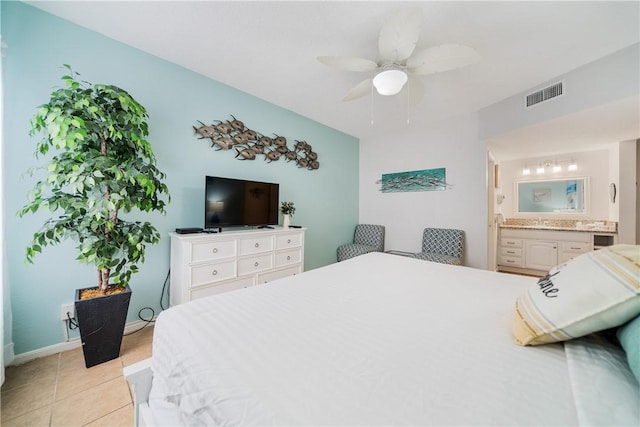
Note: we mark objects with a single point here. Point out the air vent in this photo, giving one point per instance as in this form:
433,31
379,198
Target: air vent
545,94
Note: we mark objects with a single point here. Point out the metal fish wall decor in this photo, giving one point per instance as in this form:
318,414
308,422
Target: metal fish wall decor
249,144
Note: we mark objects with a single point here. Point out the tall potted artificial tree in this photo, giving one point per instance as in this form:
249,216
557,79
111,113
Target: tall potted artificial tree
102,167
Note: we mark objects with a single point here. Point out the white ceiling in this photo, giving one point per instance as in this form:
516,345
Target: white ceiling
268,49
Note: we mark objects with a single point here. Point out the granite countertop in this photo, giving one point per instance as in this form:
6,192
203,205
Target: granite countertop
561,225
557,228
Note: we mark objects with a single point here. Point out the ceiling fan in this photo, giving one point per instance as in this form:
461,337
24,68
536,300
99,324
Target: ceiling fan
397,63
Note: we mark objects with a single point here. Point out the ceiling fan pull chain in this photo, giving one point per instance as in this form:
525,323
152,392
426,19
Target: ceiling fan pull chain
408,99
372,105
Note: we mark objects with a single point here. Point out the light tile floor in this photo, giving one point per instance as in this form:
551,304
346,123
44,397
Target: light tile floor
58,390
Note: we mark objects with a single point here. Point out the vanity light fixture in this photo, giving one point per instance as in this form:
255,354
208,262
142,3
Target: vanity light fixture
555,166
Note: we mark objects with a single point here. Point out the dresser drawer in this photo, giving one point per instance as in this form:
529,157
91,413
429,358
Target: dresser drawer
205,291
209,251
279,274
255,264
288,257
211,273
507,242
256,245
511,252
288,241
511,261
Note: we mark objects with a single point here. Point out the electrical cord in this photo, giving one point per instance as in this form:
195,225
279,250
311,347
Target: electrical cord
166,279
153,313
73,324
149,321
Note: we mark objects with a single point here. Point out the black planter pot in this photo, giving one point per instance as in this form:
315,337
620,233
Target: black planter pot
101,321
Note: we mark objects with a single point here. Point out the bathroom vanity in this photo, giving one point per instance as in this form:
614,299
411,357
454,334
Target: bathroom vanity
534,247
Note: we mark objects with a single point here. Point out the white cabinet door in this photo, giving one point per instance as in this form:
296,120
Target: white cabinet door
541,255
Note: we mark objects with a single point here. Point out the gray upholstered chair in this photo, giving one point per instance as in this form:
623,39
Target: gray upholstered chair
367,238
443,245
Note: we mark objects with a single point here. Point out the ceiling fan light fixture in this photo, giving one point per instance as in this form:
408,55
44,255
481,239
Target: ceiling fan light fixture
390,82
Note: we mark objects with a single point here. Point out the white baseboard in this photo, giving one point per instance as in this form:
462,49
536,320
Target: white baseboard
58,348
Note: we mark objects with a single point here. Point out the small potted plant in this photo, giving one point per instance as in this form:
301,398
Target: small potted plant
102,168
287,209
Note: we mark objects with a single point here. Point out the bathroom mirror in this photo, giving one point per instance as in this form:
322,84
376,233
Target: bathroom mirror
558,196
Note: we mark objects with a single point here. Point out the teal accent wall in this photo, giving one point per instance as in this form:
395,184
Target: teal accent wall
37,45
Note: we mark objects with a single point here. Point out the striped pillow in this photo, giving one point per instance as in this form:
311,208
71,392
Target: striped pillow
594,291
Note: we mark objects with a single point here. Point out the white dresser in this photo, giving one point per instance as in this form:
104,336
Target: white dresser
206,264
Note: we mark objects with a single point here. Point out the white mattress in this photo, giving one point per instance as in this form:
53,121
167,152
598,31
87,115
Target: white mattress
376,340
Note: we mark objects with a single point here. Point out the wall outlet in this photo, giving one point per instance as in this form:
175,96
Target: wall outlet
68,308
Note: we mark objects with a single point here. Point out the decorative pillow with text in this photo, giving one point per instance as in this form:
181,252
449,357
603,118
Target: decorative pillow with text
594,291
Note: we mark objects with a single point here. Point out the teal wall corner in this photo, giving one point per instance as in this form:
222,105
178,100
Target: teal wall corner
37,45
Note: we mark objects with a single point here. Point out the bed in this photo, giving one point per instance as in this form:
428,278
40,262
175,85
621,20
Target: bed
379,339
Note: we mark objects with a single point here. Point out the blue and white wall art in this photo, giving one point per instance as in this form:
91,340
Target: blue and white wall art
422,180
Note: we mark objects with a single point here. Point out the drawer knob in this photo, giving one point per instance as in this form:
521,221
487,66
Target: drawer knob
214,250
288,240
214,272
257,245
255,264
288,257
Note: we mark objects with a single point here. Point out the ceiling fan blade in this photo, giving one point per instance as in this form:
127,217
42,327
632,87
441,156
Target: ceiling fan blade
399,34
348,63
442,58
413,92
358,91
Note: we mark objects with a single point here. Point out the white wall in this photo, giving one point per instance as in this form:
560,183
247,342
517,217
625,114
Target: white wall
614,172
627,193
637,191
2,258
452,144
593,164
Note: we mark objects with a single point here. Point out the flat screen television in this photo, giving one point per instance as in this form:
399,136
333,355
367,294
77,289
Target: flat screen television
237,202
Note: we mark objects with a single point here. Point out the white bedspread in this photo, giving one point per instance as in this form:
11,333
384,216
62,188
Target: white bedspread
376,340
606,392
